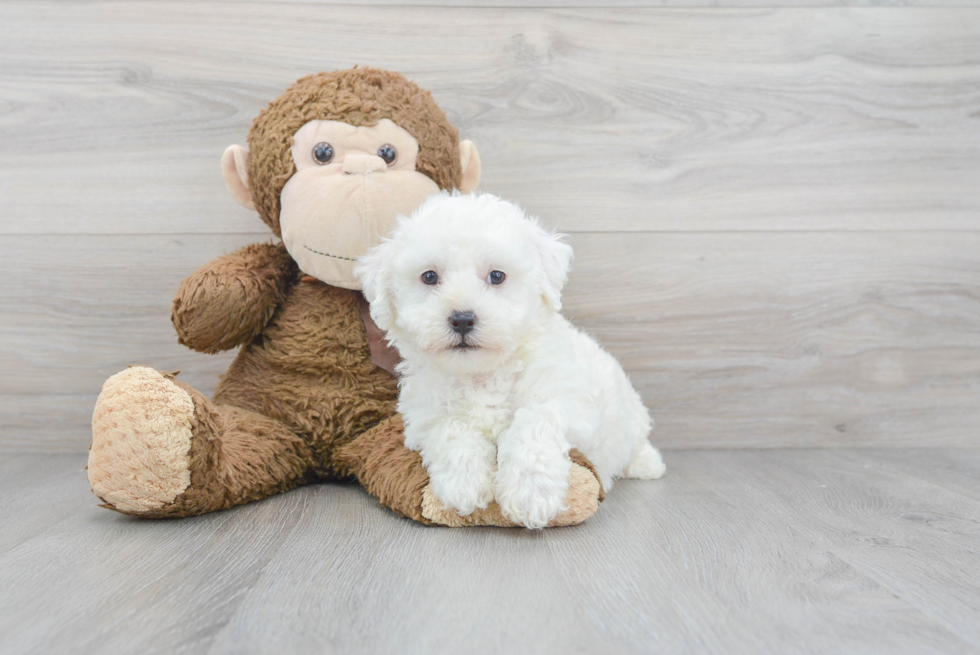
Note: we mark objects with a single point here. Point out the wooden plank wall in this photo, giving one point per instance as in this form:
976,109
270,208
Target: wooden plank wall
776,210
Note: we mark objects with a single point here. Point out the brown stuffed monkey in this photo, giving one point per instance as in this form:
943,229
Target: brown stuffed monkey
310,397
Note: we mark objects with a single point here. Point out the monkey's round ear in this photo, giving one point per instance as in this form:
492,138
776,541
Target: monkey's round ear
234,166
470,159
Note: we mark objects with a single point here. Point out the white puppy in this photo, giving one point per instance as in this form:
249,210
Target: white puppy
496,385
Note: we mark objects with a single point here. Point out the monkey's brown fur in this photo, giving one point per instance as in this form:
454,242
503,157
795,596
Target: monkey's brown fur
306,383
303,401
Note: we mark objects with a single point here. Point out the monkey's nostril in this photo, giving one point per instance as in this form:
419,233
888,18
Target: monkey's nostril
355,164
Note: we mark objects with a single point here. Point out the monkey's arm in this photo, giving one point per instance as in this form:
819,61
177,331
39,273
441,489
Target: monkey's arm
229,301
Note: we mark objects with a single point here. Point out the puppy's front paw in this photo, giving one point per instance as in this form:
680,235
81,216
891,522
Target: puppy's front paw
462,490
530,496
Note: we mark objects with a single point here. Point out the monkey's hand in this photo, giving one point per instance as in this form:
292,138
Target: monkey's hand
229,301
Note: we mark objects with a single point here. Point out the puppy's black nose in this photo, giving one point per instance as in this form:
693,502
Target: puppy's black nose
462,322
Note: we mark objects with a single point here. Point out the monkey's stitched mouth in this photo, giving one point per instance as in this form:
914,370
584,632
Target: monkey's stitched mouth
327,254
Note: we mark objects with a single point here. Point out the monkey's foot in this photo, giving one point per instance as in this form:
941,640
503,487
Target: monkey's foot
584,495
142,429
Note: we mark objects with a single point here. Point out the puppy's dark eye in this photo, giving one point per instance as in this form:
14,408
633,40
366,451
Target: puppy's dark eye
430,277
496,277
388,153
323,153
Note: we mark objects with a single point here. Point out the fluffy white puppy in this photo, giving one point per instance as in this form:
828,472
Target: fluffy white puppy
496,385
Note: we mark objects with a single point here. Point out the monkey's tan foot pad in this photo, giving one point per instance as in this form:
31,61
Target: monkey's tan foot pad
584,495
141,440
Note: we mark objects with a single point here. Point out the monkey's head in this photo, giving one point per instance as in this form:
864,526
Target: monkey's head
336,158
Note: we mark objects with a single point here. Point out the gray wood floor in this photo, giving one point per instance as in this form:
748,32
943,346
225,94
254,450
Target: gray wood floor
778,551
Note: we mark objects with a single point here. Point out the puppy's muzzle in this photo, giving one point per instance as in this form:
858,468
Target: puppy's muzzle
462,322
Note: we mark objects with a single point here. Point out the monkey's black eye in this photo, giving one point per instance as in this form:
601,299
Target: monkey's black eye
388,153
496,277
430,277
323,153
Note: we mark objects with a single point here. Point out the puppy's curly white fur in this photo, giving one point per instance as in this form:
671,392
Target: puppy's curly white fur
496,385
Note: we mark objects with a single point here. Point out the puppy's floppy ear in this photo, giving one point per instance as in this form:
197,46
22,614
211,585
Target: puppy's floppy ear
554,258
373,270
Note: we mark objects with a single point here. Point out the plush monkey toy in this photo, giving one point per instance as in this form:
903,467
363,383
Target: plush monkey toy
331,163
